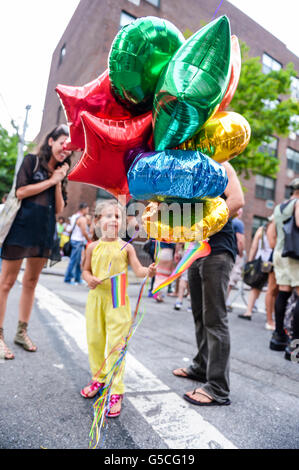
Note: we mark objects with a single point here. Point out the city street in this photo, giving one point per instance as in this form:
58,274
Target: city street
41,407
149,121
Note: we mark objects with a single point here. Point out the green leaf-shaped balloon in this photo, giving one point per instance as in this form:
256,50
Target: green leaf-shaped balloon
192,85
138,54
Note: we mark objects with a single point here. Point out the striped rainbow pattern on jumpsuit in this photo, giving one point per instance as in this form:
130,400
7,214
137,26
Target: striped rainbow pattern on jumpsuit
118,289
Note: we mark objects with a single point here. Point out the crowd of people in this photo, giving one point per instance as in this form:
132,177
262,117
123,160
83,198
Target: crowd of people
95,249
277,273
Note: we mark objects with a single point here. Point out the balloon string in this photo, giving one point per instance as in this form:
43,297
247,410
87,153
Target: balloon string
217,9
135,234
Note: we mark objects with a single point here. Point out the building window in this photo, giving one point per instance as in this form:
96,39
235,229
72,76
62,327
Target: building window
293,160
270,148
136,2
287,192
257,222
294,133
62,54
265,188
125,18
156,3
270,64
295,88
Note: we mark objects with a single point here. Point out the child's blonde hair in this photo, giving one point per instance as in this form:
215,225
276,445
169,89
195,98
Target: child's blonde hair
100,206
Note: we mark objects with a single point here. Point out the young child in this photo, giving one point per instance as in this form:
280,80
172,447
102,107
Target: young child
105,325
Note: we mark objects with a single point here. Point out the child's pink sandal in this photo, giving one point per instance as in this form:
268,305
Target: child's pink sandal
114,400
94,386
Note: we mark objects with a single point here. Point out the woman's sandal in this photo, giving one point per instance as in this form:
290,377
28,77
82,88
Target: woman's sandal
22,338
5,352
182,372
158,297
212,401
93,389
114,406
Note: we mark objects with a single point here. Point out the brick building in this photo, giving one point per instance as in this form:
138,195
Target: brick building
81,55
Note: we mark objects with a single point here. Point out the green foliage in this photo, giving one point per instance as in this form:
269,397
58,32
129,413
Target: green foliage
8,158
253,90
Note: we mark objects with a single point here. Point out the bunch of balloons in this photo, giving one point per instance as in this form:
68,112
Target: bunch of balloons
154,126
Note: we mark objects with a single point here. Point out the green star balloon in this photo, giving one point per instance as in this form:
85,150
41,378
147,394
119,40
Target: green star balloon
192,84
138,54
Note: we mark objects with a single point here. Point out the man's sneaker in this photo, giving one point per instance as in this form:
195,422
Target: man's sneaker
178,305
278,342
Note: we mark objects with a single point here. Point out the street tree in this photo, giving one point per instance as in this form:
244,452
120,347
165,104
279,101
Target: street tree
8,158
265,101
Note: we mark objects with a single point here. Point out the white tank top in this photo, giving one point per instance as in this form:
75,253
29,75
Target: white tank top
264,250
77,235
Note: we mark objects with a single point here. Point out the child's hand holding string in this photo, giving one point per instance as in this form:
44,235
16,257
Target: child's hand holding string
152,270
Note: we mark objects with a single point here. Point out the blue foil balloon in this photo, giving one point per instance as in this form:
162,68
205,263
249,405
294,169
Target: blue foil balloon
175,175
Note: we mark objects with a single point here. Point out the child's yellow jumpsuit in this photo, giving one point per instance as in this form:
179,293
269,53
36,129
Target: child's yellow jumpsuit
105,325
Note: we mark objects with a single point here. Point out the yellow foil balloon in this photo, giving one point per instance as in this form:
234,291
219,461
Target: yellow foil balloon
222,137
175,222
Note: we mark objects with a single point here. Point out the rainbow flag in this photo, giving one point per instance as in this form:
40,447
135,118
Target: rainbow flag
118,289
195,250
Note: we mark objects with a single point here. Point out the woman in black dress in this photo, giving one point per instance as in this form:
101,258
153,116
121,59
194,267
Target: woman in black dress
40,186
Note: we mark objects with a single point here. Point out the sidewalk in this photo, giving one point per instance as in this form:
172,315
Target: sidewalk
59,269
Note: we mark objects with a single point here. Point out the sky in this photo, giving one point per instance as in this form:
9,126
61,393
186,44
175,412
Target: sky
31,29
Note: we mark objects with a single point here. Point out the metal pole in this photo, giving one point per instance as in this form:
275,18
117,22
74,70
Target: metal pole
22,141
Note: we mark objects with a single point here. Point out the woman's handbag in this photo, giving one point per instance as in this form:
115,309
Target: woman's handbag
267,267
67,248
253,275
10,210
291,238
8,214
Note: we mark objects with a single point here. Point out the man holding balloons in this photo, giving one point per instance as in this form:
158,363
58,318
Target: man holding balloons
208,283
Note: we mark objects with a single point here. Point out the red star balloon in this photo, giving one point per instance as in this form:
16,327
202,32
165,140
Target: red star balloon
94,97
235,60
106,143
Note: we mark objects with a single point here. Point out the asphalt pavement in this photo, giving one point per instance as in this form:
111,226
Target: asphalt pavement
41,407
